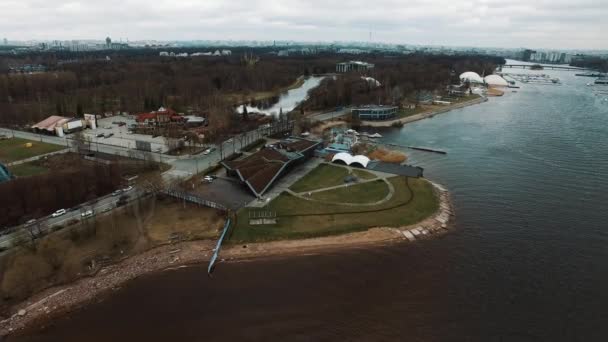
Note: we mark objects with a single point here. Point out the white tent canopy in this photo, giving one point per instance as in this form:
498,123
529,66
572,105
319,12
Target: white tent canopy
471,76
495,80
349,159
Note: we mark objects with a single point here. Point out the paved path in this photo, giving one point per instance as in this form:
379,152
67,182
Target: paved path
424,115
304,195
34,158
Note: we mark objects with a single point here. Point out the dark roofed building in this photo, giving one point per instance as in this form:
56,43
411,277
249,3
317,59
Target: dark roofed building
261,169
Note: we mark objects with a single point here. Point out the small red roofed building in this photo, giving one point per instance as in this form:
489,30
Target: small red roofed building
159,117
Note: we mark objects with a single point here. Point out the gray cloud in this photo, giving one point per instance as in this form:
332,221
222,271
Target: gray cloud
515,23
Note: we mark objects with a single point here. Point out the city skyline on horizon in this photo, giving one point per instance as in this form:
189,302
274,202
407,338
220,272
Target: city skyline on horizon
481,23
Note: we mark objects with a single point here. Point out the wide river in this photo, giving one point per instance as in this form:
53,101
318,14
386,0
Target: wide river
527,259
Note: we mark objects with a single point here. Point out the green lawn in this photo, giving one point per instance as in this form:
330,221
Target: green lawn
14,149
322,176
299,218
356,193
363,174
27,169
404,113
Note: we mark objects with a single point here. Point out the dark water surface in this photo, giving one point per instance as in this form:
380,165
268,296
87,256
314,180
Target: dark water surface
527,259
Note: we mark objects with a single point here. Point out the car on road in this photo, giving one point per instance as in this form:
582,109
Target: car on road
100,135
229,140
109,135
87,213
106,209
129,188
208,179
108,127
30,222
117,192
209,150
59,213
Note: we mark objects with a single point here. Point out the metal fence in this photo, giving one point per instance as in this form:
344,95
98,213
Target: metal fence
186,196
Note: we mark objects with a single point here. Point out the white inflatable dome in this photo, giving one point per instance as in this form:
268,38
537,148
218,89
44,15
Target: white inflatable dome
348,159
471,76
495,80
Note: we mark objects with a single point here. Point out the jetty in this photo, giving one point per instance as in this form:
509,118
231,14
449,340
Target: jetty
424,149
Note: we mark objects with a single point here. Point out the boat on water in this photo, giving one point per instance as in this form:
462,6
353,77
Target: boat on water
592,74
601,81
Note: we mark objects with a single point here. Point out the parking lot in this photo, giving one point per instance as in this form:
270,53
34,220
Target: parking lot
120,134
230,193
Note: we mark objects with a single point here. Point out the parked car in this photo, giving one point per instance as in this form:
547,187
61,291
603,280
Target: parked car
209,150
30,222
100,135
109,135
108,127
87,213
129,132
208,179
58,213
129,188
117,192
230,140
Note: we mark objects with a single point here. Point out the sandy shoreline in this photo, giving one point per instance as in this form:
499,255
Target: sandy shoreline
60,300
422,116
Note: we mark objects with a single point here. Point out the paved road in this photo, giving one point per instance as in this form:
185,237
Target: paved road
180,168
331,115
44,224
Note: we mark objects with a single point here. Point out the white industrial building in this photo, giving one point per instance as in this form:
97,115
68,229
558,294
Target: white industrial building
353,66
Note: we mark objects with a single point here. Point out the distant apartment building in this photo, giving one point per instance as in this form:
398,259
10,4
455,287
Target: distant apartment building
550,57
353,66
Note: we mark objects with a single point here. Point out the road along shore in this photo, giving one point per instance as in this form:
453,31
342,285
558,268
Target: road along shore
54,302
423,115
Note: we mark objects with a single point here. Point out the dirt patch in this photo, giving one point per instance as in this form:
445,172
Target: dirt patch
81,250
388,156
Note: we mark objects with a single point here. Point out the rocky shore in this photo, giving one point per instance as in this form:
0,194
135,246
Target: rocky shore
60,300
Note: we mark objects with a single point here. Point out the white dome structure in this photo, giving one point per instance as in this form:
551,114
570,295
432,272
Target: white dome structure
349,160
371,81
471,76
496,80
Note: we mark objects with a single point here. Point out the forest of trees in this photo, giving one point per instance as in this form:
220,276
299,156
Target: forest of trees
135,84
140,80
30,197
399,78
595,63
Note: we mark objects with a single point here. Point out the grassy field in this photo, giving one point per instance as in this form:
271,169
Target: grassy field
369,192
322,176
363,174
404,113
14,149
68,253
299,218
28,169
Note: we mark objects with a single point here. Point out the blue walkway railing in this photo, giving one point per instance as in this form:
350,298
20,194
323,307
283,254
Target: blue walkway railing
216,251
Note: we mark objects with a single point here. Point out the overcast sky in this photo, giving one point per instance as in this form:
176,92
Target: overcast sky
556,24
